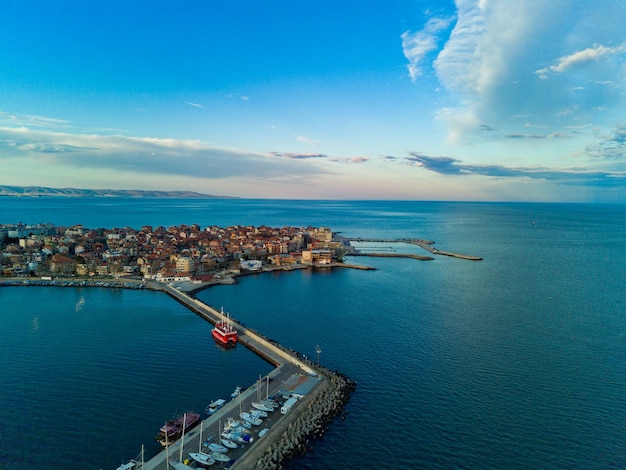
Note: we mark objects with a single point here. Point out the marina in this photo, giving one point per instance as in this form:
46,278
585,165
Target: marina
309,394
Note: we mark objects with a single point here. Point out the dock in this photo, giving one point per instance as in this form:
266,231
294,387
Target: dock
324,394
422,243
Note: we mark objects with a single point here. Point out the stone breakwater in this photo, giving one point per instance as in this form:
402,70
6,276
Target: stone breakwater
109,283
299,428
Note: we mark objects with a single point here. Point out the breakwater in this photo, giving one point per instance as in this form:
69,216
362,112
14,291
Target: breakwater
294,434
422,243
63,282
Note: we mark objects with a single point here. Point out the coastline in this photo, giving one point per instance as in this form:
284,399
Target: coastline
137,284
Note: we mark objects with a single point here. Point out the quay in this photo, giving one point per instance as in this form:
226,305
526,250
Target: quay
424,244
324,394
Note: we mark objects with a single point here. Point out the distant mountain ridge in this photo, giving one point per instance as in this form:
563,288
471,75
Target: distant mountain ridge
33,191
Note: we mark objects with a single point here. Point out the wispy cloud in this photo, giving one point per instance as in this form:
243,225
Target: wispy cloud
32,120
576,175
489,66
147,155
356,160
195,105
611,146
579,58
306,140
416,45
298,156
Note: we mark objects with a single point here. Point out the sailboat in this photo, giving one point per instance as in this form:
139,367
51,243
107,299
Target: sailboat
201,457
258,404
216,447
133,463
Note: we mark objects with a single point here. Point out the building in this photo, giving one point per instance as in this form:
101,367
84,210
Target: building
60,264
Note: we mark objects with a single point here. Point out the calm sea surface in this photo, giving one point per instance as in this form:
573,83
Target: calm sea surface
517,361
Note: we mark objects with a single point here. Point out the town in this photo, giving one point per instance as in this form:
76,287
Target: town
180,253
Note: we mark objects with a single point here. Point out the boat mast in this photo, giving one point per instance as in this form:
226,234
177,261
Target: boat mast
182,442
200,441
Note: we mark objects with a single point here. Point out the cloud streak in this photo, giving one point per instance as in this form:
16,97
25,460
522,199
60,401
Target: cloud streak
453,167
417,45
579,58
156,156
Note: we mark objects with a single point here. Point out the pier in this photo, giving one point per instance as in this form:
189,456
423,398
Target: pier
287,435
424,244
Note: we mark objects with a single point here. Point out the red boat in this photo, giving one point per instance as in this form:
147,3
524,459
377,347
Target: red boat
224,332
173,429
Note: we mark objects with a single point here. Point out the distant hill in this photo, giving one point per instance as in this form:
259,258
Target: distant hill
34,191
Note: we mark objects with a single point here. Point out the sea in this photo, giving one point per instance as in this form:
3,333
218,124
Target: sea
517,361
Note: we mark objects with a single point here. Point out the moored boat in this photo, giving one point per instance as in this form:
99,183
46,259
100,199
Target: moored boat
262,406
219,448
173,429
236,392
258,413
228,443
214,406
248,418
224,332
202,458
219,457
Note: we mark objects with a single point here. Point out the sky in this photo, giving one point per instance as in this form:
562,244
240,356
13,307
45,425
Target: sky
472,100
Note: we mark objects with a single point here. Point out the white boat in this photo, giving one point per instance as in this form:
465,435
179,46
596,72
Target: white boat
262,407
180,466
263,432
219,457
258,413
202,458
228,443
219,448
248,418
127,466
238,436
236,392
214,406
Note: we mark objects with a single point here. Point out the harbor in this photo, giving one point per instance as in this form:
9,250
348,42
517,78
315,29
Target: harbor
314,396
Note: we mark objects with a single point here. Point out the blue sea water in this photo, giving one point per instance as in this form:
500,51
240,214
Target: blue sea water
516,361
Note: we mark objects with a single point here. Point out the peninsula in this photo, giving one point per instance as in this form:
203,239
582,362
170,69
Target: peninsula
184,253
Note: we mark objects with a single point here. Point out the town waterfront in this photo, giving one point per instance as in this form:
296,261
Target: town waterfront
516,361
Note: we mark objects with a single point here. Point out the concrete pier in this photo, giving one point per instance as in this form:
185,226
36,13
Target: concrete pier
287,435
424,244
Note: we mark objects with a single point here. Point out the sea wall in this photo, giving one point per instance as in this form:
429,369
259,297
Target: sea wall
307,421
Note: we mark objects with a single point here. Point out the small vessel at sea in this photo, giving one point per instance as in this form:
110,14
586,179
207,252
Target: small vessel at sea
224,332
214,406
175,428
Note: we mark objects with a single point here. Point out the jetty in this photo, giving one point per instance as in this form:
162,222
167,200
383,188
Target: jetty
422,243
322,395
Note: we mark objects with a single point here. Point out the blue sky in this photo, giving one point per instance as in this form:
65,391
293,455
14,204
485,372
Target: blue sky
425,100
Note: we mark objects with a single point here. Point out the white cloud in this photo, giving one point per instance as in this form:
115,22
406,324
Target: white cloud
490,63
144,155
578,58
417,45
306,140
